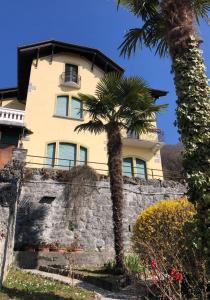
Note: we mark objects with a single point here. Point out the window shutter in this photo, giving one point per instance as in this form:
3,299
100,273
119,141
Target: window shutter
128,167
140,168
62,104
83,156
76,109
67,155
50,161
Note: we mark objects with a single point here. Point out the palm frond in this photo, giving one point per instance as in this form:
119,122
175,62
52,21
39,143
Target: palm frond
141,126
152,34
93,106
119,101
92,126
201,9
132,39
108,85
141,8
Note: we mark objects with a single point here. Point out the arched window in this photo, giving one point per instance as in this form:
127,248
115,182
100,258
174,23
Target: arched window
65,155
128,166
133,166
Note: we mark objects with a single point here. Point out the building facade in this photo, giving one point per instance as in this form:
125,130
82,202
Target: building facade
50,76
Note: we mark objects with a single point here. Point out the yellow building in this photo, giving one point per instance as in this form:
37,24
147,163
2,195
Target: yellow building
50,76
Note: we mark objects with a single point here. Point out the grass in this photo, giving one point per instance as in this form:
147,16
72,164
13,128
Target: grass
23,286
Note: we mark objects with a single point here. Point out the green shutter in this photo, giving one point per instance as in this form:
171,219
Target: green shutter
83,156
62,104
67,155
140,168
76,109
50,161
128,167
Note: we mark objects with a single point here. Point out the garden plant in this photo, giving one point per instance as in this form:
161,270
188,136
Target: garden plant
164,238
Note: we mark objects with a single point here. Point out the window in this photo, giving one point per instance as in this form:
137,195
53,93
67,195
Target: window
71,73
67,155
62,106
71,108
134,167
128,167
83,156
64,155
133,135
51,155
76,109
140,168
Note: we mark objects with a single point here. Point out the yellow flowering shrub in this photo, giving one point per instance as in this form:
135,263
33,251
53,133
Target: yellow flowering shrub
159,230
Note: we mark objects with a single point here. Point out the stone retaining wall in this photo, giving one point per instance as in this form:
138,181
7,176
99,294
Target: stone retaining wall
81,211
9,192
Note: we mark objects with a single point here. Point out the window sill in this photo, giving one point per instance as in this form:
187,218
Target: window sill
69,118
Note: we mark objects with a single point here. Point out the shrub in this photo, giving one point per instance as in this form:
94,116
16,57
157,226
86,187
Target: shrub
161,227
165,240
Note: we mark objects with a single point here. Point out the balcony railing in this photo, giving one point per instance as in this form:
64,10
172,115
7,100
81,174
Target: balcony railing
9,116
69,80
156,135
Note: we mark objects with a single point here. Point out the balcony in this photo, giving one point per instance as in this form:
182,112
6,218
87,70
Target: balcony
152,141
14,117
69,80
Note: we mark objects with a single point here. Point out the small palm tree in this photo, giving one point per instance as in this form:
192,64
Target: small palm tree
119,103
168,26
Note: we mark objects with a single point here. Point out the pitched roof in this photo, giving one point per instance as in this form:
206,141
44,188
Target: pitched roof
27,53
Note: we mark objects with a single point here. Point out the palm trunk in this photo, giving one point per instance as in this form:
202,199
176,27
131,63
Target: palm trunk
193,109
114,146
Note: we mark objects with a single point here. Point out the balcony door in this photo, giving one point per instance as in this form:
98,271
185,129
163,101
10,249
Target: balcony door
71,73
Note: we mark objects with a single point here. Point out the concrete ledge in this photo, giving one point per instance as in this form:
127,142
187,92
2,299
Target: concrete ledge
33,260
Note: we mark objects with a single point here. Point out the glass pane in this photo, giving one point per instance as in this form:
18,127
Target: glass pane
76,109
62,106
50,161
127,167
71,73
83,156
67,155
140,168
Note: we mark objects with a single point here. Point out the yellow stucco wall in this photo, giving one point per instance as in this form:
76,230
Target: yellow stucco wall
46,128
40,108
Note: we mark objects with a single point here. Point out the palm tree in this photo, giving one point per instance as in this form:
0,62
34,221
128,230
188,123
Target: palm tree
169,26
119,103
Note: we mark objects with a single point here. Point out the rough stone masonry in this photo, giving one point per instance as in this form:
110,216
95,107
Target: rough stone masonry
81,211
9,192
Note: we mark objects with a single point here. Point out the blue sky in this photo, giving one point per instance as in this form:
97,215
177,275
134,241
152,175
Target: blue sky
95,23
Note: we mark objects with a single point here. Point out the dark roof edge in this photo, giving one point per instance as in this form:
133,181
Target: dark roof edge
8,92
65,44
